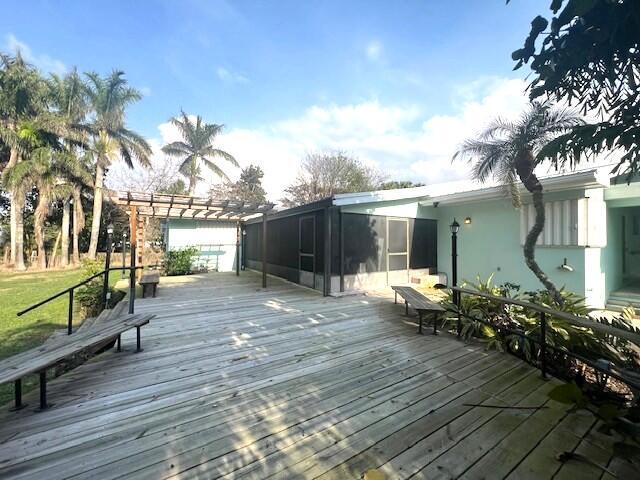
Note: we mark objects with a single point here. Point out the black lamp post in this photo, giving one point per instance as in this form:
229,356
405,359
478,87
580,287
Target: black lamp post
107,265
455,227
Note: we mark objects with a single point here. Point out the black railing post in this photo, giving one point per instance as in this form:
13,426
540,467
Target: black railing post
458,301
70,313
543,344
132,279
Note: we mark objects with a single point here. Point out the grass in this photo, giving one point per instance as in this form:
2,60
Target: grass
20,290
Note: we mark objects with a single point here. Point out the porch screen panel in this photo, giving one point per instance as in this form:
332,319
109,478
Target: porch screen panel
423,240
364,243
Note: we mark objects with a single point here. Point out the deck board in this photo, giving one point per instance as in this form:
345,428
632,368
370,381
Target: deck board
239,382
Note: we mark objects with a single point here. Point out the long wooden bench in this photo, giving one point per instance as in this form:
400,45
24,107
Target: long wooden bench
149,282
419,303
38,360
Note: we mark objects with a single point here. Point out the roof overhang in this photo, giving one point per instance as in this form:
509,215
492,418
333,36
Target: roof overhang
158,205
577,180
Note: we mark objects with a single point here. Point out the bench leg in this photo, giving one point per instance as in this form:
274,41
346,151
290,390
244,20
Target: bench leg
17,395
435,323
43,390
154,290
395,300
119,343
420,322
406,308
138,343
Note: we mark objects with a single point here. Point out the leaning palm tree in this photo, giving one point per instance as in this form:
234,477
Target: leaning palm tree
509,151
109,97
196,148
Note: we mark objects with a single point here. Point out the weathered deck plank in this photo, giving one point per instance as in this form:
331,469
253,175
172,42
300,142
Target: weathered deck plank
238,382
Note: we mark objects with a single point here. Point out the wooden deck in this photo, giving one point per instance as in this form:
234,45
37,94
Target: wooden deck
237,382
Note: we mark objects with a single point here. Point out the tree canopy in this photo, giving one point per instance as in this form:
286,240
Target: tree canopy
323,175
248,188
589,56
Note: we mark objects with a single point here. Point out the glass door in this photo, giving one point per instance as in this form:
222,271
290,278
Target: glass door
307,253
397,251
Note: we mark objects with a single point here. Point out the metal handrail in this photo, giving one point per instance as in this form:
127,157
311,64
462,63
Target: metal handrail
69,290
542,341
73,287
581,322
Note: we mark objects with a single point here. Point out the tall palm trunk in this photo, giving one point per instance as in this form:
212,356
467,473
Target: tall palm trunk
66,214
16,220
525,167
17,228
78,223
38,226
192,185
97,211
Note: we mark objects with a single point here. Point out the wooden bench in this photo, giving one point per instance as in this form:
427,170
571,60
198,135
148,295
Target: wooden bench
420,304
38,360
149,282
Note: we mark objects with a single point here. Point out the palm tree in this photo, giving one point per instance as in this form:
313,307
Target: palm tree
196,148
22,97
70,100
509,151
109,97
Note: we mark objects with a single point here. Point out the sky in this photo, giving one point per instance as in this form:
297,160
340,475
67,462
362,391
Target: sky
396,84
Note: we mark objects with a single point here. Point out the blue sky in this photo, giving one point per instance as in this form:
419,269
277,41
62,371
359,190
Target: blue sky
290,77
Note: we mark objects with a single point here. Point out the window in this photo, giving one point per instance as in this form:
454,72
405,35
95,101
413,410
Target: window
566,223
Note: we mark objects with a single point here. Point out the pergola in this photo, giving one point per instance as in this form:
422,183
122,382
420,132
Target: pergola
166,206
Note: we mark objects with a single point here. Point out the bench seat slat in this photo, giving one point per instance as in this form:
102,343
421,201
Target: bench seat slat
417,300
34,360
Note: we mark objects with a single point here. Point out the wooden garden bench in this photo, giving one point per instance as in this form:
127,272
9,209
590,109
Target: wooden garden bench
38,360
149,282
420,304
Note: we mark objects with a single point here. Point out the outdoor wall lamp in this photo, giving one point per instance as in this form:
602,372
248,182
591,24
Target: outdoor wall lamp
467,221
565,266
110,229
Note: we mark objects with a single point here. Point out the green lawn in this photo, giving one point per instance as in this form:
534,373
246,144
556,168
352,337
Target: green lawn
20,290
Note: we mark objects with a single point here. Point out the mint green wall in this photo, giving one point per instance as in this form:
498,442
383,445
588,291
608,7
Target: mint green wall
612,253
491,244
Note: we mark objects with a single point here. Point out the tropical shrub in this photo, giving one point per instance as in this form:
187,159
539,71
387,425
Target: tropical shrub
179,261
516,329
89,296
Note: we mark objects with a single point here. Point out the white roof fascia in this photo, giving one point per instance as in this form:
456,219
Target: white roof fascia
380,196
585,179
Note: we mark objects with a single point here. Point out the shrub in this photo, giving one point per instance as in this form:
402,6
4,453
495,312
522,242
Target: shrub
489,320
179,261
89,297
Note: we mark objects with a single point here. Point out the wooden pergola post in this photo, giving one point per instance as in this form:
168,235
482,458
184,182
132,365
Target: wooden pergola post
133,234
237,248
264,250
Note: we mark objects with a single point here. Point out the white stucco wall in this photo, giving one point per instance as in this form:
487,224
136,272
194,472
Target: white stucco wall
216,241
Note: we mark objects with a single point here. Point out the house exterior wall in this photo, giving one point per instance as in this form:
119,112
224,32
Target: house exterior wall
215,241
491,245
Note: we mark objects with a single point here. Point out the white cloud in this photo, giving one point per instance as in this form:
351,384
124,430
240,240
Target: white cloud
229,76
145,91
44,62
374,50
398,139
